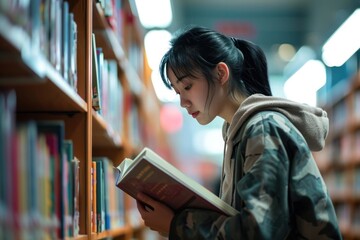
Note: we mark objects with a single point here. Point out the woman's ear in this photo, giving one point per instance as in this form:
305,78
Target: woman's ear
222,72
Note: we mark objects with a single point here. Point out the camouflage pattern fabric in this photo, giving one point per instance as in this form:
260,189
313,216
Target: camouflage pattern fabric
280,193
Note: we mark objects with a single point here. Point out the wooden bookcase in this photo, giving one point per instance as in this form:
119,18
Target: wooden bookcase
42,94
339,162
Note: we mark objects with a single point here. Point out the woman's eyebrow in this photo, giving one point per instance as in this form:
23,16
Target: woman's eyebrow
181,78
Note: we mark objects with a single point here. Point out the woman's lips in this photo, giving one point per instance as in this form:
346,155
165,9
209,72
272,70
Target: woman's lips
194,114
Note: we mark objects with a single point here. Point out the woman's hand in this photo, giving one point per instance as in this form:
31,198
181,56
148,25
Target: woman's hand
156,215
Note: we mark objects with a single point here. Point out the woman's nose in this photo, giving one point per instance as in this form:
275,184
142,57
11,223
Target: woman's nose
185,103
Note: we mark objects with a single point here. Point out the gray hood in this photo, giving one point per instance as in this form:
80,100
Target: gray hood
312,122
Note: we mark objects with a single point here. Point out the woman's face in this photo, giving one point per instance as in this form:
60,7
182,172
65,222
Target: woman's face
194,94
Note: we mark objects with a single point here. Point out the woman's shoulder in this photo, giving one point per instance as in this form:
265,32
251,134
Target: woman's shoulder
268,117
268,123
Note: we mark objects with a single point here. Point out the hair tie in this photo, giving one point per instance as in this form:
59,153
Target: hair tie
237,46
234,40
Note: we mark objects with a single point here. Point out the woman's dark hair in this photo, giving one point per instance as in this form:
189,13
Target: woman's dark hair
198,50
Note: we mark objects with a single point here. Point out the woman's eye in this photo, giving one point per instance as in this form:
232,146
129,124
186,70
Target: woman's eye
188,87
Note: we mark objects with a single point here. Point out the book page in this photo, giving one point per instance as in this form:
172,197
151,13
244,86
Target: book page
159,179
122,169
125,164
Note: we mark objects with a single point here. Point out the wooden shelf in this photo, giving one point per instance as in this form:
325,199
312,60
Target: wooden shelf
126,232
104,135
105,37
37,84
80,237
342,156
42,94
49,96
112,49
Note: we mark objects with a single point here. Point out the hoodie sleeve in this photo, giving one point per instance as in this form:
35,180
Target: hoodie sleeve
283,194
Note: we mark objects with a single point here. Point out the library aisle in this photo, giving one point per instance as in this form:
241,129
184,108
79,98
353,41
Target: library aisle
74,102
339,162
76,98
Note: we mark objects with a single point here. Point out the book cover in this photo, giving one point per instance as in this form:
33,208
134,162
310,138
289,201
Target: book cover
27,174
93,197
100,62
8,164
151,174
65,41
68,184
45,187
55,132
96,102
73,52
75,163
58,34
53,33
105,166
100,200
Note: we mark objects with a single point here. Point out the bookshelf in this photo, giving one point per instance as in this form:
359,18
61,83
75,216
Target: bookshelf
339,162
31,68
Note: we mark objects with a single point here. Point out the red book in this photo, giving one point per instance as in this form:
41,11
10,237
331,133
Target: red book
150,174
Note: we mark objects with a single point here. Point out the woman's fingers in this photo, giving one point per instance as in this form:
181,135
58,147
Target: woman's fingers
146,202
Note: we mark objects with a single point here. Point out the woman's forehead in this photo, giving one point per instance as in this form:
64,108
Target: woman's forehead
181,73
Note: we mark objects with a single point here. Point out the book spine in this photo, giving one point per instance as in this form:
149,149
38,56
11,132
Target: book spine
8,155
76,183
94,198
95,77
65,41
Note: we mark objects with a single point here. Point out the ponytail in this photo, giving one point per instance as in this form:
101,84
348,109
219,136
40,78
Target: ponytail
198,50
254,73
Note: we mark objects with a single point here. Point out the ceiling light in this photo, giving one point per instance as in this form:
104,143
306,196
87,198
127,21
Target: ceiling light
303,84
343,43
154,13
157,43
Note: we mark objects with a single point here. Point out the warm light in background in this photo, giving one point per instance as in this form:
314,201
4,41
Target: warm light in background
171,119
162,92
303,84
156,42
343,43
154,13
286,52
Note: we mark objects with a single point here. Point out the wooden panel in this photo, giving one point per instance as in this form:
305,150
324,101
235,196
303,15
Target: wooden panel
83,17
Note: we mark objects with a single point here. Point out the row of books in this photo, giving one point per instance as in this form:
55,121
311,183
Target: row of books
107,201
51,31
344,183
113,106
39,190
339,115
342,150
356,221
114,14
349,219
346,111
108,99
122,21
343,213
338,183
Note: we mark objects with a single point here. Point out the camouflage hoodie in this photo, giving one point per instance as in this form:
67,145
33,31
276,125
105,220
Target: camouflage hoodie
270,176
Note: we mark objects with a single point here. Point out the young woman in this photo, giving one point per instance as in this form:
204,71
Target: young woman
269,173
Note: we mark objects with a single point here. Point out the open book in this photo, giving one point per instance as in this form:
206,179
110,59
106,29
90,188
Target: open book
152,175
